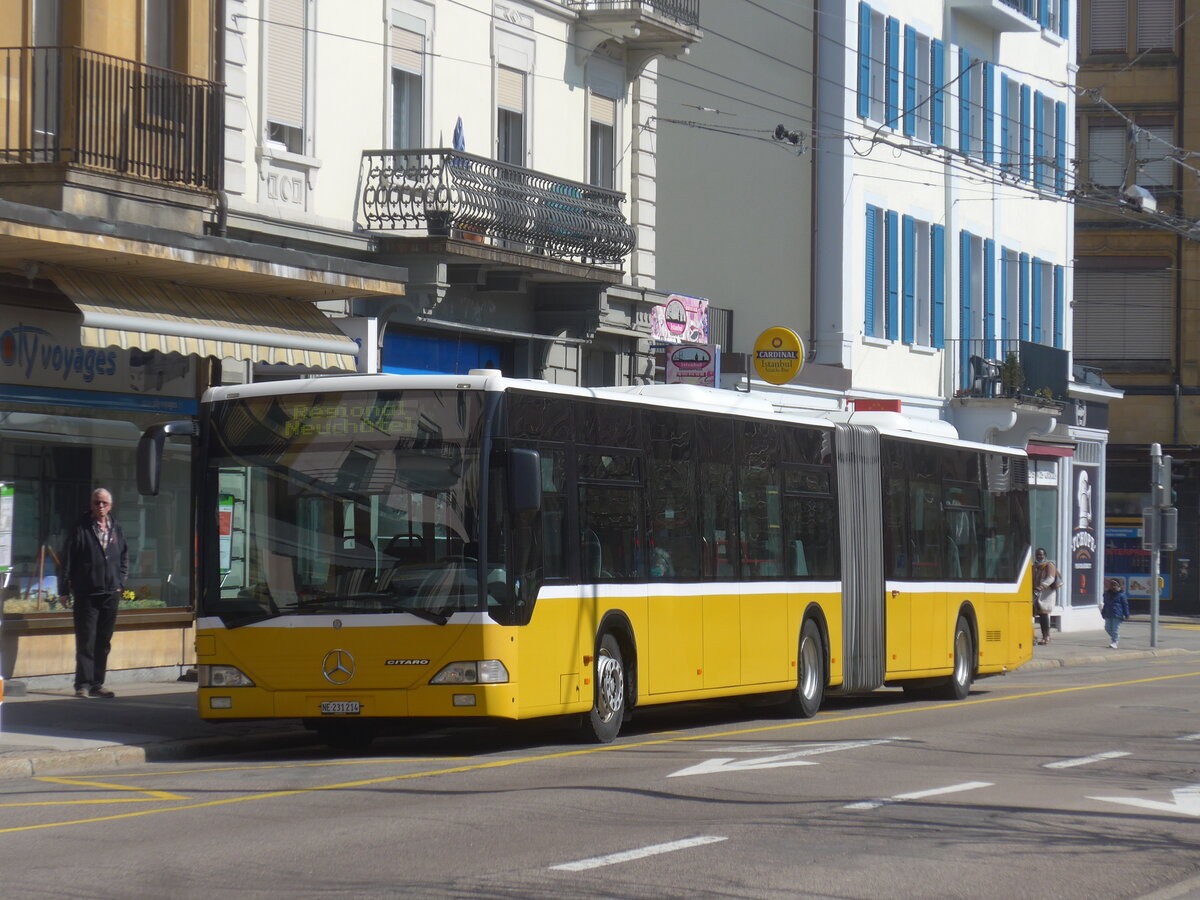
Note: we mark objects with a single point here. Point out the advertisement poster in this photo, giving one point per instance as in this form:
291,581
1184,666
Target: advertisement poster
1084,572
680,320
6,527
225,531
694,364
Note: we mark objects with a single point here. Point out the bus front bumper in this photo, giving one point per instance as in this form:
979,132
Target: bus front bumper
428,701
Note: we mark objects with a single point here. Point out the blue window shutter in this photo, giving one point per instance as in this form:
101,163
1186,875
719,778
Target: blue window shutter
864,60
1006,160
1064,18
892,88
989,297
989,111
910,80
1024,126
964,311
1043,13
1039,140
910,279
937,102
1060,147
891,263
1004,289
1023,293
964,101
1036,285
870,247
937,262
1059,277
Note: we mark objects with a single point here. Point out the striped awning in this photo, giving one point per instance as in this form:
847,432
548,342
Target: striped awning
147,314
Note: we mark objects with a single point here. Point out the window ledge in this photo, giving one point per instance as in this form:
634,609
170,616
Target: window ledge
923,350
876,341
278,153
1053,37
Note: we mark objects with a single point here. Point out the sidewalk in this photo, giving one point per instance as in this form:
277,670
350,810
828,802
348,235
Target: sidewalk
51,732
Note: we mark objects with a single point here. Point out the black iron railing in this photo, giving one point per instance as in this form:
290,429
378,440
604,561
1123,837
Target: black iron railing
67,105
686,12
1008,368
446,193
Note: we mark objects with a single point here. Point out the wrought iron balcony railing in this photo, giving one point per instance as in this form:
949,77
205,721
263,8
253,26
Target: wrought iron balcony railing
988,368
101,112
685,12
442,192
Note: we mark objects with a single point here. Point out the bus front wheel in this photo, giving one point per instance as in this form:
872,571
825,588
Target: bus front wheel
810,677
958,685
608,708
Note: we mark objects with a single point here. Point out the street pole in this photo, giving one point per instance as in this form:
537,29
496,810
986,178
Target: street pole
1156,497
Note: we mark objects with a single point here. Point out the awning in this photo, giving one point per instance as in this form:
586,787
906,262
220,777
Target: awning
1033,448
148,314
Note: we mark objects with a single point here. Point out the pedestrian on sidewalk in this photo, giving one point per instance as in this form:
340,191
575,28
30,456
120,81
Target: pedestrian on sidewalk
1115,610
1046,583
93,568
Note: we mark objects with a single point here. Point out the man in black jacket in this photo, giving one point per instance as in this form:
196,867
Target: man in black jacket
93,569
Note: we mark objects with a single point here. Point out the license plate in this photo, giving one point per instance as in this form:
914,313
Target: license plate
340,708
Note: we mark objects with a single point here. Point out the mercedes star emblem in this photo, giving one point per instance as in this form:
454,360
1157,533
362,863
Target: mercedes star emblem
337,667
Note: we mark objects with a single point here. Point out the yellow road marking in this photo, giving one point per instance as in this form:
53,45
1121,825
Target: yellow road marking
152,795
608,748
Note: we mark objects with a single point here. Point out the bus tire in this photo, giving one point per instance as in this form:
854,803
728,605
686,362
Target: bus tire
603,722
958,685
804,702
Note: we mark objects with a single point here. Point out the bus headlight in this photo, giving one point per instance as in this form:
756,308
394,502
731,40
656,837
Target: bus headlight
473,671
222,676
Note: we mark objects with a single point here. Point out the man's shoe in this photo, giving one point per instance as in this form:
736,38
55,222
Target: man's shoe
101,692
81,692
1113,645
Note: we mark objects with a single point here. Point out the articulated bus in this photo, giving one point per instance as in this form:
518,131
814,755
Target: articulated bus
382,547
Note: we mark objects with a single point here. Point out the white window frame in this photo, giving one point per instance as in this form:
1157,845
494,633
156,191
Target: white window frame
419,19
512,49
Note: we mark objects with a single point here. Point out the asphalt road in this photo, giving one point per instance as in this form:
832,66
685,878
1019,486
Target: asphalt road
1073,783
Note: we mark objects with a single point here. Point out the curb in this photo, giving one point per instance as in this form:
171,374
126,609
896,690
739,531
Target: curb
1100,658
70,762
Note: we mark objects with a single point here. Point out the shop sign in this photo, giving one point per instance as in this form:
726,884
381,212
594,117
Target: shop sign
1084,575
39,349
693,364
778,355
680,320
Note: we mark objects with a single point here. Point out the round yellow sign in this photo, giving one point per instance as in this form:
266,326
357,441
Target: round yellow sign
778,355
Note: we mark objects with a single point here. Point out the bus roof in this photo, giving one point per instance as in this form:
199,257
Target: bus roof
757,405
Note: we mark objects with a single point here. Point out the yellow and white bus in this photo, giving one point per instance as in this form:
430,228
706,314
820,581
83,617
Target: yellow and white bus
381,547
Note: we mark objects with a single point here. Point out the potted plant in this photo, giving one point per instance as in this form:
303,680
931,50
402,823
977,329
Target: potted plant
1012,376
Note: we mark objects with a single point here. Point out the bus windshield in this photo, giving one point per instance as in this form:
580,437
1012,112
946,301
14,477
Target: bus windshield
343,503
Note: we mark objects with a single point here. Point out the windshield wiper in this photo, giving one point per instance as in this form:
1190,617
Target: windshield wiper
429,615
238,620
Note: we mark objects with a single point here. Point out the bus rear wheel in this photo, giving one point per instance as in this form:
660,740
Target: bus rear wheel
608,706
804,702
958,685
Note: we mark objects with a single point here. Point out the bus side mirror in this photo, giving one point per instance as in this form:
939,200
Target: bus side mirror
524,480
150,451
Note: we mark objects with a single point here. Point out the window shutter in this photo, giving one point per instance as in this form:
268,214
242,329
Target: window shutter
937,257
1064,18
871,238
1157,170
1023,293
891,278
1006,159
1106,153
1024,125
510,89
910,279
1123,314
989,297
1043,13
1109,27
1039,139
892,89
1060,147
285,62
989,111
910,80
1036,285
1059,281
1155,25
604,110
408,50
1005,287
964,101
864,60
937,78
964,307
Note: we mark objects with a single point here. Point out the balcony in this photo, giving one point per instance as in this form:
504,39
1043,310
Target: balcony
100,113
646,28
1013,370
1001,15
447,194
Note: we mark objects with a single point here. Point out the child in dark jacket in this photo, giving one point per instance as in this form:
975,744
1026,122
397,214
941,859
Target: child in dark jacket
1115,610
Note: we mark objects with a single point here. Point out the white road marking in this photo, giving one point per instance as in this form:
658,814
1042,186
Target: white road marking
1084,760
920,795
729,764
1188,737
653,850
1184,801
